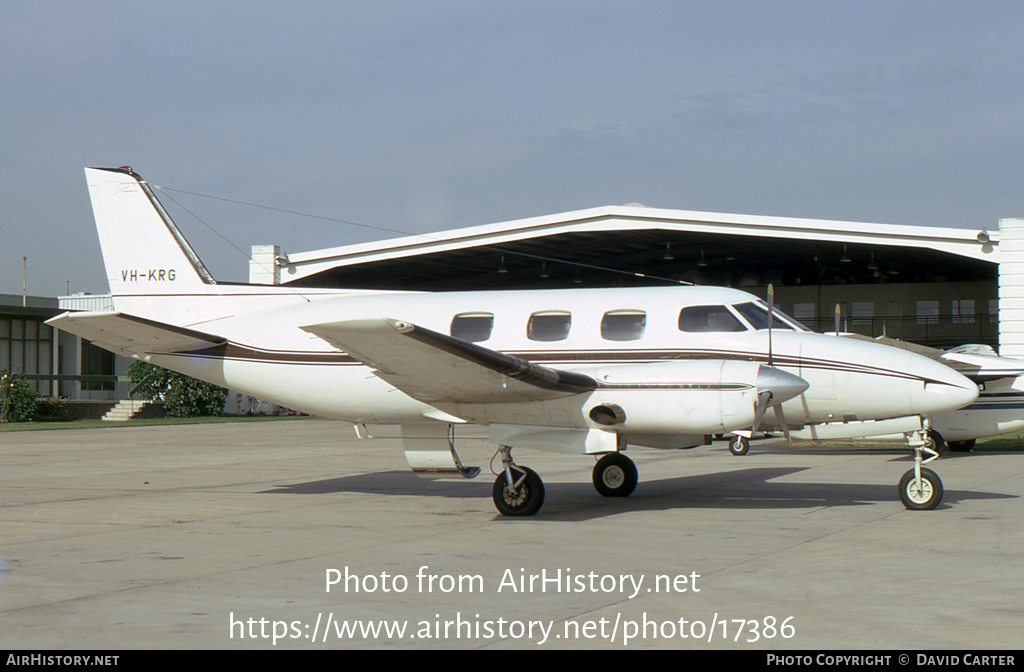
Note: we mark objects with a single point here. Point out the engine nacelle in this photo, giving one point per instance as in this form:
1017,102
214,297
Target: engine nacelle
684,397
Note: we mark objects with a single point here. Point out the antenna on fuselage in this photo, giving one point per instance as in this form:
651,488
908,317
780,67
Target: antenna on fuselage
771,308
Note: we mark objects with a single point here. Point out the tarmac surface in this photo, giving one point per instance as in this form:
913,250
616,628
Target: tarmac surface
162,537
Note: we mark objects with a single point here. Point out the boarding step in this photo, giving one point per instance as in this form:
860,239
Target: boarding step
125,410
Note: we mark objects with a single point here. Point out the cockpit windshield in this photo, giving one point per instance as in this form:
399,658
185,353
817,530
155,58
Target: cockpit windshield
757,315
704,319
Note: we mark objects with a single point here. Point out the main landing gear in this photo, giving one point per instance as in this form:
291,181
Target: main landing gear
615,475
935,441
518,490
739,445
921,488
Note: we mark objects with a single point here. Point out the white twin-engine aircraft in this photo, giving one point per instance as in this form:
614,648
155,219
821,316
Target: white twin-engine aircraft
587,371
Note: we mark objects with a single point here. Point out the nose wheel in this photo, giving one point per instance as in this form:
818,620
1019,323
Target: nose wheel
921,494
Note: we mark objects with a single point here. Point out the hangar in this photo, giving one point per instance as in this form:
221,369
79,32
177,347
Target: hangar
937,286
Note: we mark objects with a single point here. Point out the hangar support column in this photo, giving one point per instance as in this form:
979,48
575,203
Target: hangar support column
1011,287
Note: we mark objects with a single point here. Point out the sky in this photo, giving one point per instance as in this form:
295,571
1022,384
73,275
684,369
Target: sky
427,115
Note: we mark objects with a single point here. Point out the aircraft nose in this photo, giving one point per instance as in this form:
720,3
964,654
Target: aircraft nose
944,389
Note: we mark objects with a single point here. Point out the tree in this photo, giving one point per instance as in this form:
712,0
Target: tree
183,397
17,398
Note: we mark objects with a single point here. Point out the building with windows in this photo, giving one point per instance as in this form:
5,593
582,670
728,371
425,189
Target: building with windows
27,344
59,364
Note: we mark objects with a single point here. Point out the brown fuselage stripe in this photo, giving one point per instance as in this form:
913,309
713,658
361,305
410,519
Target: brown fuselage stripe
236,352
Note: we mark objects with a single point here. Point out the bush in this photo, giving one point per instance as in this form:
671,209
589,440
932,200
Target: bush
183,397
53,409
17,398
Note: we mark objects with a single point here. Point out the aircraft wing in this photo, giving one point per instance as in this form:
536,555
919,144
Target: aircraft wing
128,335
923,350
434,367
981,368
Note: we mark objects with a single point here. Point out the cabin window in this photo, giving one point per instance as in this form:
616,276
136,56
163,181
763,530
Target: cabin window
549,325
623,325
472,327
757,316
698,319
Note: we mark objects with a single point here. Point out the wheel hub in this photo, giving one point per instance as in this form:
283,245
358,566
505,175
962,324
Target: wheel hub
614,477
919,494
515,498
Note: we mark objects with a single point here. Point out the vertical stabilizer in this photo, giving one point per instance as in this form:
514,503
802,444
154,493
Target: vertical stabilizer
143,251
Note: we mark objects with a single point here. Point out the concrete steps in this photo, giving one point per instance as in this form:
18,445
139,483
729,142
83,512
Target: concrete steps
125,410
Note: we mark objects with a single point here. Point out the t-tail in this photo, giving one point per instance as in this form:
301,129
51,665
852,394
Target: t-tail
152,270
144,252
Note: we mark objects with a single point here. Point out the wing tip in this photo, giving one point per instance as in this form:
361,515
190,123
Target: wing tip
398,325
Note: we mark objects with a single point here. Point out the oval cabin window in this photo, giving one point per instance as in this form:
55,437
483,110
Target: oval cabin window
472,327
623,325
549,325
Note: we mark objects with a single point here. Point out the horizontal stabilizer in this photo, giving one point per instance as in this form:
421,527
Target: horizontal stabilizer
433,367
128,335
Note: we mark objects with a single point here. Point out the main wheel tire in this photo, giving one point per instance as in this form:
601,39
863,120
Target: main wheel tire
526,501
962,446
739,445
925,498
938,443
615,475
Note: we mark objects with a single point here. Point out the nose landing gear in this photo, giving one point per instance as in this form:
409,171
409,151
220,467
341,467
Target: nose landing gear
921,489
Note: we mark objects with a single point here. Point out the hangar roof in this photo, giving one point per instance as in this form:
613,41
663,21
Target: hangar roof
637,245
